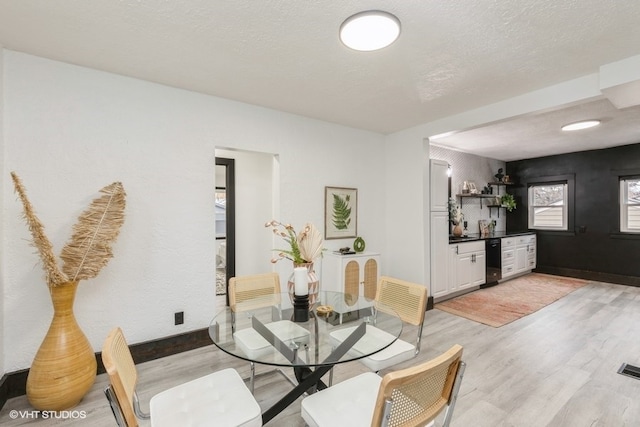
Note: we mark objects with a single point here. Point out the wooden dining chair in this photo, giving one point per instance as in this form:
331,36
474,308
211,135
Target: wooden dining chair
256,291
412,396
407,300
220,398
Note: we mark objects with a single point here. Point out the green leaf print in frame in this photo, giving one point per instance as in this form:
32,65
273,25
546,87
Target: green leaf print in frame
341,208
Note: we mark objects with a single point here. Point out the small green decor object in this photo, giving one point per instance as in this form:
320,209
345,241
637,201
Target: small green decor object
358,244
508,202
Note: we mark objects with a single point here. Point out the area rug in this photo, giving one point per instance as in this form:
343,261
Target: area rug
508,301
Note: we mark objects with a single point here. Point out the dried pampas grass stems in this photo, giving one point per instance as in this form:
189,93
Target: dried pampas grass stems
89,248
54,274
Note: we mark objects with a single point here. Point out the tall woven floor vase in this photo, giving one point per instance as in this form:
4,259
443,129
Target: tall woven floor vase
64,368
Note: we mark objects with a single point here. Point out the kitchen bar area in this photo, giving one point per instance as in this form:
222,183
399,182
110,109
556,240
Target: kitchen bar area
466,256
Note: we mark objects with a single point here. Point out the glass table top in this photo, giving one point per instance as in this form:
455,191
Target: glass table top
340,328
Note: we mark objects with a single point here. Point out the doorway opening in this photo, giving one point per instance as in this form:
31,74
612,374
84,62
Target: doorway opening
225,225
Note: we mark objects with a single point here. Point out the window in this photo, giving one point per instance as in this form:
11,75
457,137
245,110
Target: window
548,206
630,205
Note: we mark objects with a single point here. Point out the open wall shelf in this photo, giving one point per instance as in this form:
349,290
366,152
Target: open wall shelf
490,204
500,184
475,196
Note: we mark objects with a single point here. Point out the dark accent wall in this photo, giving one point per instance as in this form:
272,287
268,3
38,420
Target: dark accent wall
593,247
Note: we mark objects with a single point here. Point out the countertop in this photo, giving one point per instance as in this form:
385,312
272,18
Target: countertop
497,235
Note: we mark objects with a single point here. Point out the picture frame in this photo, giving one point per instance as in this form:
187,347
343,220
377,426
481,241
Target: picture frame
340,212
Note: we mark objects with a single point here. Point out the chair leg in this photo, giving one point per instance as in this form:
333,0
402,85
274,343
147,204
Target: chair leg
253,374
115,406
454,394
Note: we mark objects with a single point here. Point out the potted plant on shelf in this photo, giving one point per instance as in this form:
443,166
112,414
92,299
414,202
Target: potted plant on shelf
508,202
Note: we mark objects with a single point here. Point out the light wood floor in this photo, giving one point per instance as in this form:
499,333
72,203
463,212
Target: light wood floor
556,367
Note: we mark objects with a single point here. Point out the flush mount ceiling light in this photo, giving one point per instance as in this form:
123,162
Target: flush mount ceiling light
585,124
370,30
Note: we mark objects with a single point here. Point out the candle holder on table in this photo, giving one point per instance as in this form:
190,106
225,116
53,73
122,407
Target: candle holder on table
301,295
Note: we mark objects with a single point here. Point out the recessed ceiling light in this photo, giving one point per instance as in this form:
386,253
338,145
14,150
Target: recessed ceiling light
585,124
370,30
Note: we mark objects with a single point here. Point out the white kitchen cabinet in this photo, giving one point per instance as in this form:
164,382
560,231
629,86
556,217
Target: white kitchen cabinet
439,227
479,267
467,265
438,186
354,274
508,245
439,244
518,255
525,253
521,259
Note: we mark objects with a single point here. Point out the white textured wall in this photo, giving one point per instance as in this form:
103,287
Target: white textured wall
2,208
69,130
406,206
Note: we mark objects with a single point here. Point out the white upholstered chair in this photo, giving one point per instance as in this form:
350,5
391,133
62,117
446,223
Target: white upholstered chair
220,398
412,396
409,301
252,292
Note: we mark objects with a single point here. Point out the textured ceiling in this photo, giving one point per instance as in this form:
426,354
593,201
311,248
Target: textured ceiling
451,57
540,134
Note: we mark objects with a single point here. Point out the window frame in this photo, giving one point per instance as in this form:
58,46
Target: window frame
623,205
532,207
570,180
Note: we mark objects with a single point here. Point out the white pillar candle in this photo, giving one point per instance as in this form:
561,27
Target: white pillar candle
301,281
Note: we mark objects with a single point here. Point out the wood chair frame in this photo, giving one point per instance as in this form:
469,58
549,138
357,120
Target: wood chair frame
417,395
408,397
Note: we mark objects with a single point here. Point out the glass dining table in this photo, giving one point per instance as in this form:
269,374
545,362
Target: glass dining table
340,328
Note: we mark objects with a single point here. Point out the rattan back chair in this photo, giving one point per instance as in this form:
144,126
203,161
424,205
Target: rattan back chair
412,396
416,395
252,292
409,301
219,398
123,379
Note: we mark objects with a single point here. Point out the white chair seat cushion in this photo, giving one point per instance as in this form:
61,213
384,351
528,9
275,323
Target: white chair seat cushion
255,345
397,352
220,399
349,403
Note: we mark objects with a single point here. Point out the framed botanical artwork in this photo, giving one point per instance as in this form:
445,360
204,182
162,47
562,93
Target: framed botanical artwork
340,212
